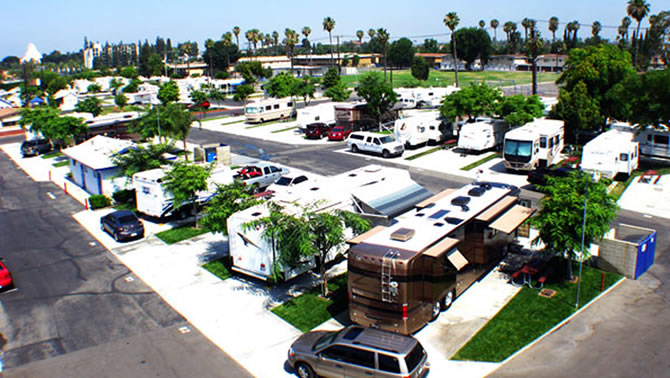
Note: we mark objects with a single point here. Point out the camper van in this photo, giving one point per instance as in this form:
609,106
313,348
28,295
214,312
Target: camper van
323,113
420,129
482,135
401,276
611,153
153,200
268,109
375,192
534,145
654,142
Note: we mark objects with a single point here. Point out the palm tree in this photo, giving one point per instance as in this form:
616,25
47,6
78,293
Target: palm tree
275,39
494,25
329,25
508,28
575,29
306,31
637,9
383,37
236,31
249,36
451,20
227,40
625,23
596,27
290,41
254,38
209,43
482,24
268,39
553,26
526,25
360,34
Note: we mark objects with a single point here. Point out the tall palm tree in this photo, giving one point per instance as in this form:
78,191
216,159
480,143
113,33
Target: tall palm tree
494,25
360,34
482,24
383,37
275,39
306,31
209,43
508,28
227,40
290,40
261,39
637,9
625,22
236,31
254,38
526,25
250,37
596,27
268,40
329,25
575,29
451,20
553,26
372,33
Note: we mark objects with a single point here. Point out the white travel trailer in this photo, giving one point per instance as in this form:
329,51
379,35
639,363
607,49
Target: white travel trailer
154,201
481,135
317,113
268,109
419,129
611,153
423,97
533,145
654,142
373,191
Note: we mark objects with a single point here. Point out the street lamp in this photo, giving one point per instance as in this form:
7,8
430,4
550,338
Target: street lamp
594,177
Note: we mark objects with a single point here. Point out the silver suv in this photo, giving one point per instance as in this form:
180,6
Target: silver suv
357,351
381,144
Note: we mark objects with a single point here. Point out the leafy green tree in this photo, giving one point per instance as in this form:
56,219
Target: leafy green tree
91,105
176,121
94,88
129,72
472,101
331,78
518,110
305,88
155,65
115,84
430,46
472,44
451,21
121,100
578,109
228,200
198,97
561,217
37,119
338,93
184,180
242,92
378,94
132,87
420,68
65,129
401,52
252,71
142,158
282,85
168,92
355,60
221,54
649,95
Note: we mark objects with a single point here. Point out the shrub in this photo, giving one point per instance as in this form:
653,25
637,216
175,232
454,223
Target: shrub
98,201
124,196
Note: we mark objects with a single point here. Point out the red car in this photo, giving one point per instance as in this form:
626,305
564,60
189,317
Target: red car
316,130
339,133
5,277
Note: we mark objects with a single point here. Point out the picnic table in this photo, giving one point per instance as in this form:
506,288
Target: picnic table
536,267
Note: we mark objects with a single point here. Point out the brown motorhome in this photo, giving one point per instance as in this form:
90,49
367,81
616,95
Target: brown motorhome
401,276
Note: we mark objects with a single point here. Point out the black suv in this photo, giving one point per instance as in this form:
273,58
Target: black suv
122,225
35,147
539,176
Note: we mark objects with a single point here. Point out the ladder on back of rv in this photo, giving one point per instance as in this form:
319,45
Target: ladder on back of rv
388,266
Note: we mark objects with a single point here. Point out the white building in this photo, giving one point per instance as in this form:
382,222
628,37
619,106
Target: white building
92,167
66,99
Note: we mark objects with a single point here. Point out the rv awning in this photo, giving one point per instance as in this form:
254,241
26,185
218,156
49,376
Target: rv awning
512,219
457,259
400,195
360,238
445,245
496,209
435,198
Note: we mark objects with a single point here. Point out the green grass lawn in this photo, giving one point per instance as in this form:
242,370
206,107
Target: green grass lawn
219,268
443,78
620,187
481,161
286,129
270,123
126,206
424,153
308,310
528,316
178,234
52,154
63,163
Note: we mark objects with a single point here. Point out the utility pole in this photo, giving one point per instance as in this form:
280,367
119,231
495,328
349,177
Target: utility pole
339,67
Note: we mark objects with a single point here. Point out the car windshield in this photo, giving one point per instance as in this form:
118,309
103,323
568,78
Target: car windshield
387,139
284,181
338,129
414,357
251,110
326,339
518,148
127,219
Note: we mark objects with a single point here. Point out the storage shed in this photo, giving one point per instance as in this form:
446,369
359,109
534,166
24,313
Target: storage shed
628,250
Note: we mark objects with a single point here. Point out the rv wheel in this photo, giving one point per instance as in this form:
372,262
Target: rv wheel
448,300
354,148
436,311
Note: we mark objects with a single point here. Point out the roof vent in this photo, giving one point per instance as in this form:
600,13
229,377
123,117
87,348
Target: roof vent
460,201
402,234
477,191
452,220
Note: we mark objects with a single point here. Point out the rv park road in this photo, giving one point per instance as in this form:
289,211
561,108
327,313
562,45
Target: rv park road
76,311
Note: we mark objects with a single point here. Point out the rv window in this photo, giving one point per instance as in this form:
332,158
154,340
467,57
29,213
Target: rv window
648,138
551,142
543,142
289,104
276,106
557,140
623,157
146,190
269,107
388,363
660,139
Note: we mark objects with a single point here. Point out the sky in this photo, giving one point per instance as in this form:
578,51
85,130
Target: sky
61,25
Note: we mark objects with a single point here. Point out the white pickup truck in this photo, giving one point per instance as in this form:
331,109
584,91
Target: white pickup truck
384,145
260,175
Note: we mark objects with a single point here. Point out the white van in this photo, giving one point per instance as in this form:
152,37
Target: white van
381,144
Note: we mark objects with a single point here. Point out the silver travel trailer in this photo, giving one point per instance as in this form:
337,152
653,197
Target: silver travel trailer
316,113
420,129
610,153
482,135
654,141
534,145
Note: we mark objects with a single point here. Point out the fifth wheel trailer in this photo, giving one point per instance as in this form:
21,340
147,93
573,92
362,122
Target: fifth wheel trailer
534,145
401,276
482,135
421,129
610,153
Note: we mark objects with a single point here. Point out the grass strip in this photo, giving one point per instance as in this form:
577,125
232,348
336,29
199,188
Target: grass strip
227,123
270,123
528,316
61,163
481,161
286,129
424,153
219,268
178,234
309,310
52,155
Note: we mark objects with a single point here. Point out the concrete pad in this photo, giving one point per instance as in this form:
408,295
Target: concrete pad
652,198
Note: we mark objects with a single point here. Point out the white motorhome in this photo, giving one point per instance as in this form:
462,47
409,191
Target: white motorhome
423,97
419,129
317,113
533,145
611,153
268,109
373,191
654,141
482,135
153,200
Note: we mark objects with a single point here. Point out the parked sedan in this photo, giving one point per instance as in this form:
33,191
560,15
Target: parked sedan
122,225
317,130
5,277
35,147
339,133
